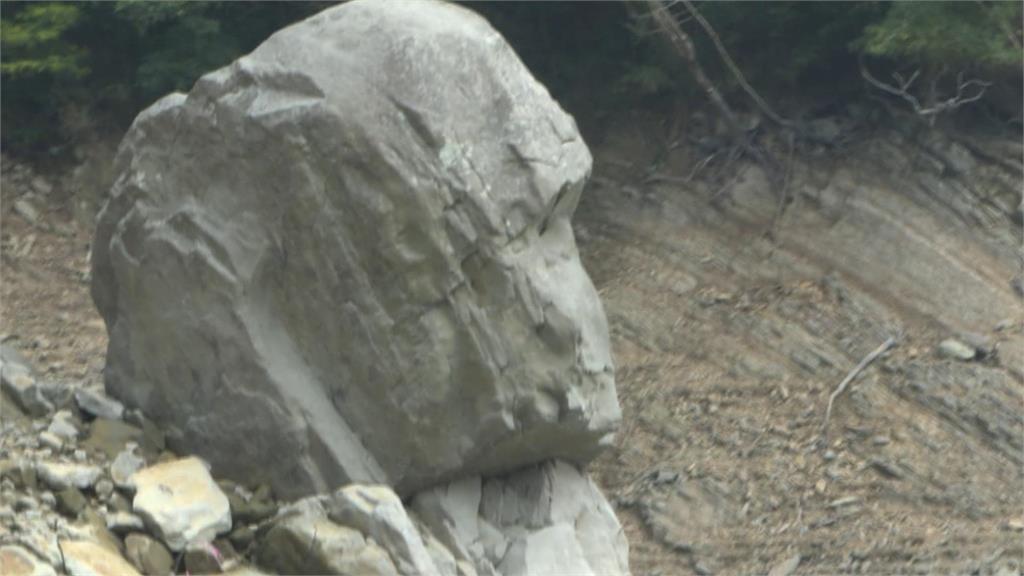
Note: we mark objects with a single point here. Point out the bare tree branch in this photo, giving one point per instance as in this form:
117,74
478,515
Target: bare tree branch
930,112
736,72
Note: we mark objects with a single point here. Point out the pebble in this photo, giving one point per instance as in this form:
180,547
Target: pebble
786,567
148,555
51,440
124,465
952,348
123,522
47,498
98,404
25,209
71,502
63,425
104,488
59,476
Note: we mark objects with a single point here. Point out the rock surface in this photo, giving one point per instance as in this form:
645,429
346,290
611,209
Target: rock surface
98,404
549,518
16,561
304,540
181,502
17,380
325,236
85,558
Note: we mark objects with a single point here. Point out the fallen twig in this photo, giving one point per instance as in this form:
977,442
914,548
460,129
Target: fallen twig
889,343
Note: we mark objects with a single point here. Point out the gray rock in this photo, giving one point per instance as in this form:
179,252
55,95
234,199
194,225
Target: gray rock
550,550
85,558
377,512
98,404
17,380
71,502
545,519
47,498
420,269
124,466
60,475
111,436
952,348
123,522
51,440
104,489
24,208
304,541
41,186
63,425
181,503
148,555
17,561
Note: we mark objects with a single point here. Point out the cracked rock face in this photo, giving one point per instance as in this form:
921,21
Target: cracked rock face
350,253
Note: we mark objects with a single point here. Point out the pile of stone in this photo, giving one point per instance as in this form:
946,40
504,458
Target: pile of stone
341,271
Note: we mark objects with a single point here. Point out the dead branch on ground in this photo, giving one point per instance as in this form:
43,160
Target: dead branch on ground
889,343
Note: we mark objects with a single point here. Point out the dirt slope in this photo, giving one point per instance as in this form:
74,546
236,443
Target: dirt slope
729,345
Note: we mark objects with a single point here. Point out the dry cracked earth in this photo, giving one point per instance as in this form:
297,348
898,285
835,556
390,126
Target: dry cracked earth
730,335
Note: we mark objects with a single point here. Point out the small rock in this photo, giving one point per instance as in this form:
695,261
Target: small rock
63,425
830,455
126,464
85,558
241,537
148,555
1005,324
71,502
251,510
181,502
17,561
59,476
98,404
47,498
951,348
41,186
880,440
25,502
104,488
203,559
844,501
121,523
111,436
28,478
80,455
25,209
51,440
23,389
786,567
119,503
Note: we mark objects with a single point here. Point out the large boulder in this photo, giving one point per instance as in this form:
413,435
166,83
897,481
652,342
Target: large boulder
347,257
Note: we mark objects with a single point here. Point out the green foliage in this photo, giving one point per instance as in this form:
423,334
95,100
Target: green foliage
109,59
180,41
957,34
33,42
